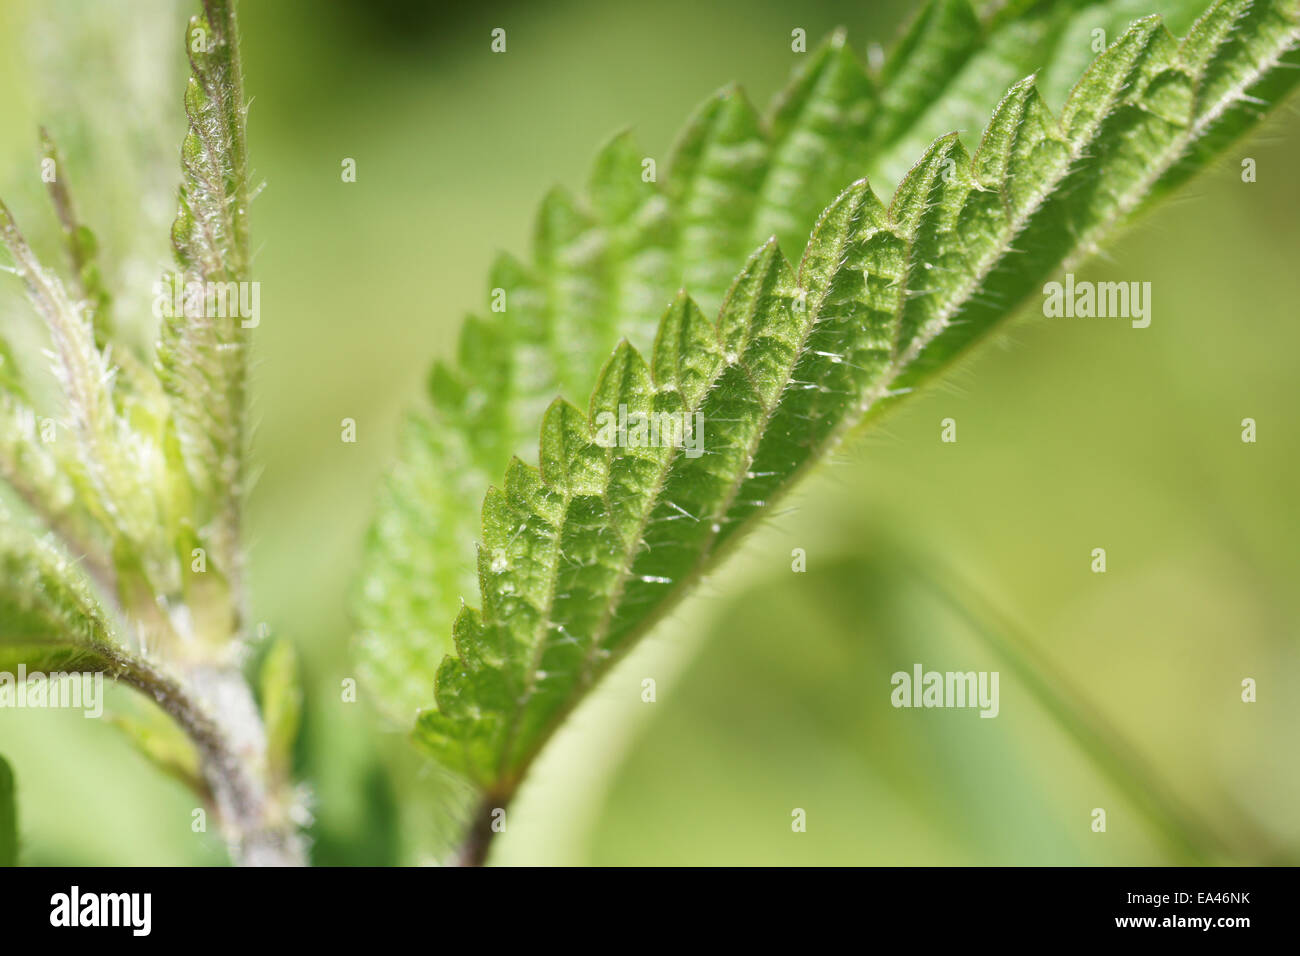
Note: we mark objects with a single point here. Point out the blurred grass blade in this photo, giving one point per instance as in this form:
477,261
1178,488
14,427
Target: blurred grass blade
1188,837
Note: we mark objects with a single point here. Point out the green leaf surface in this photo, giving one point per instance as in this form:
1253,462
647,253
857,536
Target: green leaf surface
81,244
605,266
49,617
160,741
203,358
281,699
583,553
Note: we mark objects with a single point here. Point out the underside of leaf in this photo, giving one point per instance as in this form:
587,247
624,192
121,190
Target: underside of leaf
583,553
605,268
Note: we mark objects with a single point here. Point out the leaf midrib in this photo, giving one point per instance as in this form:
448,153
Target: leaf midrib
1076,149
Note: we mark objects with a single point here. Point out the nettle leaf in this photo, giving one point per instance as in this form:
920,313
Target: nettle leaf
582,554
81,244
203,347
38,475
84,372
606,267
281,705
50,619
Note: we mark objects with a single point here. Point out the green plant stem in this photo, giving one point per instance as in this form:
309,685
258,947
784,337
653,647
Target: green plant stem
478,838
220,718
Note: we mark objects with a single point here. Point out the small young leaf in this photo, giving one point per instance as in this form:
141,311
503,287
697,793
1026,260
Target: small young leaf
164,745
45,481
203,359
281,693
85,376
49,617
81,245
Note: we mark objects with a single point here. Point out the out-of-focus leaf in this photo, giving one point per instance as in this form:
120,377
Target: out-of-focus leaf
49,617
163,744
281,693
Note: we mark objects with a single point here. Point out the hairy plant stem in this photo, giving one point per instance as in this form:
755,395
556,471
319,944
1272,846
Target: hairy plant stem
478,838
215,708
257,818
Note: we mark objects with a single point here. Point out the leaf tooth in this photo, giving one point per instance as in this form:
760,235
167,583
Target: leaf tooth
520,541
686,351
466,732
523,302
447,388
828,57
639,227
854,213
444,737
817,133
469,635
936,252
615,184
480,352
717,170
624,380
766,276
1022,141
992,157
500,523
1224,46
726,119
570,255
912,198
931,52
1038,145
1211,33
570,462
525,492
560,222
1107,79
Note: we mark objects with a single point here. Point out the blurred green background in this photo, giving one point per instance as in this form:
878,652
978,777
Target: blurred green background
772,687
